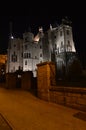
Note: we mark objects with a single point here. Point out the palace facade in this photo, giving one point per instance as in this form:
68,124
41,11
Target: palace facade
56,44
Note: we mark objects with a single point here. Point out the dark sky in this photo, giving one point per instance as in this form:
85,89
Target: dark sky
42,14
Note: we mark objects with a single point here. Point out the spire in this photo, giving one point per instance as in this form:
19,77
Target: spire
10,24
50,27
40,29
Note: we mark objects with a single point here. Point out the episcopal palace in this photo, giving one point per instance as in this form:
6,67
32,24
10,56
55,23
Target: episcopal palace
56,44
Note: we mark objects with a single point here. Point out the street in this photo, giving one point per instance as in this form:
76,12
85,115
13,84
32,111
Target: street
24,111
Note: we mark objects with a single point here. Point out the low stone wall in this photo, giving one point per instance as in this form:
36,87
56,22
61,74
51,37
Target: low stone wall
23,81
68,96
11,80
26,80
43,94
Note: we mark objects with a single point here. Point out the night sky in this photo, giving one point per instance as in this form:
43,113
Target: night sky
35,15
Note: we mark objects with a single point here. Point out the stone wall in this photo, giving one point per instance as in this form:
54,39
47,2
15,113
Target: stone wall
69,96
26,80
11,80
23,80
74,97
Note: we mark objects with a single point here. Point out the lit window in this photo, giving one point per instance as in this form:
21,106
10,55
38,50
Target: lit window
26,62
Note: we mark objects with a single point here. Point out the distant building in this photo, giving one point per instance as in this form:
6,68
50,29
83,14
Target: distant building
3,61
56,45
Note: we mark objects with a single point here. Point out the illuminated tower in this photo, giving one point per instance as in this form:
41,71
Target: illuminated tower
61,46
14,53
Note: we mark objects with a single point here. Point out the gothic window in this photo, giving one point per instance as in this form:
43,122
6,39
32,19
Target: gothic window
68,43
14,58
29,55
61,44
41,55
25,62
61,47
22,54
67,32
69,47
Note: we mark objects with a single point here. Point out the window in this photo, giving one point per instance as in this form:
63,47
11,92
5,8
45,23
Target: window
69,47
41,55
68,43
14,58
61,44
67,32
22,54
61,47
29,55
25,62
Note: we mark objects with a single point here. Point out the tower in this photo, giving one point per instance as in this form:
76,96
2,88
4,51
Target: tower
11,35
62,48
14,53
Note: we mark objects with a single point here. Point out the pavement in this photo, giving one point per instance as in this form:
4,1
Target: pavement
23,111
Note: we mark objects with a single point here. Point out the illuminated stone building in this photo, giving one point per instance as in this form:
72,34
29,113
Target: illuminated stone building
56,45
14,54
32,51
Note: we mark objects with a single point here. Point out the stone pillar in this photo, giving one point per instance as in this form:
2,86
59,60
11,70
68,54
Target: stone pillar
45,78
